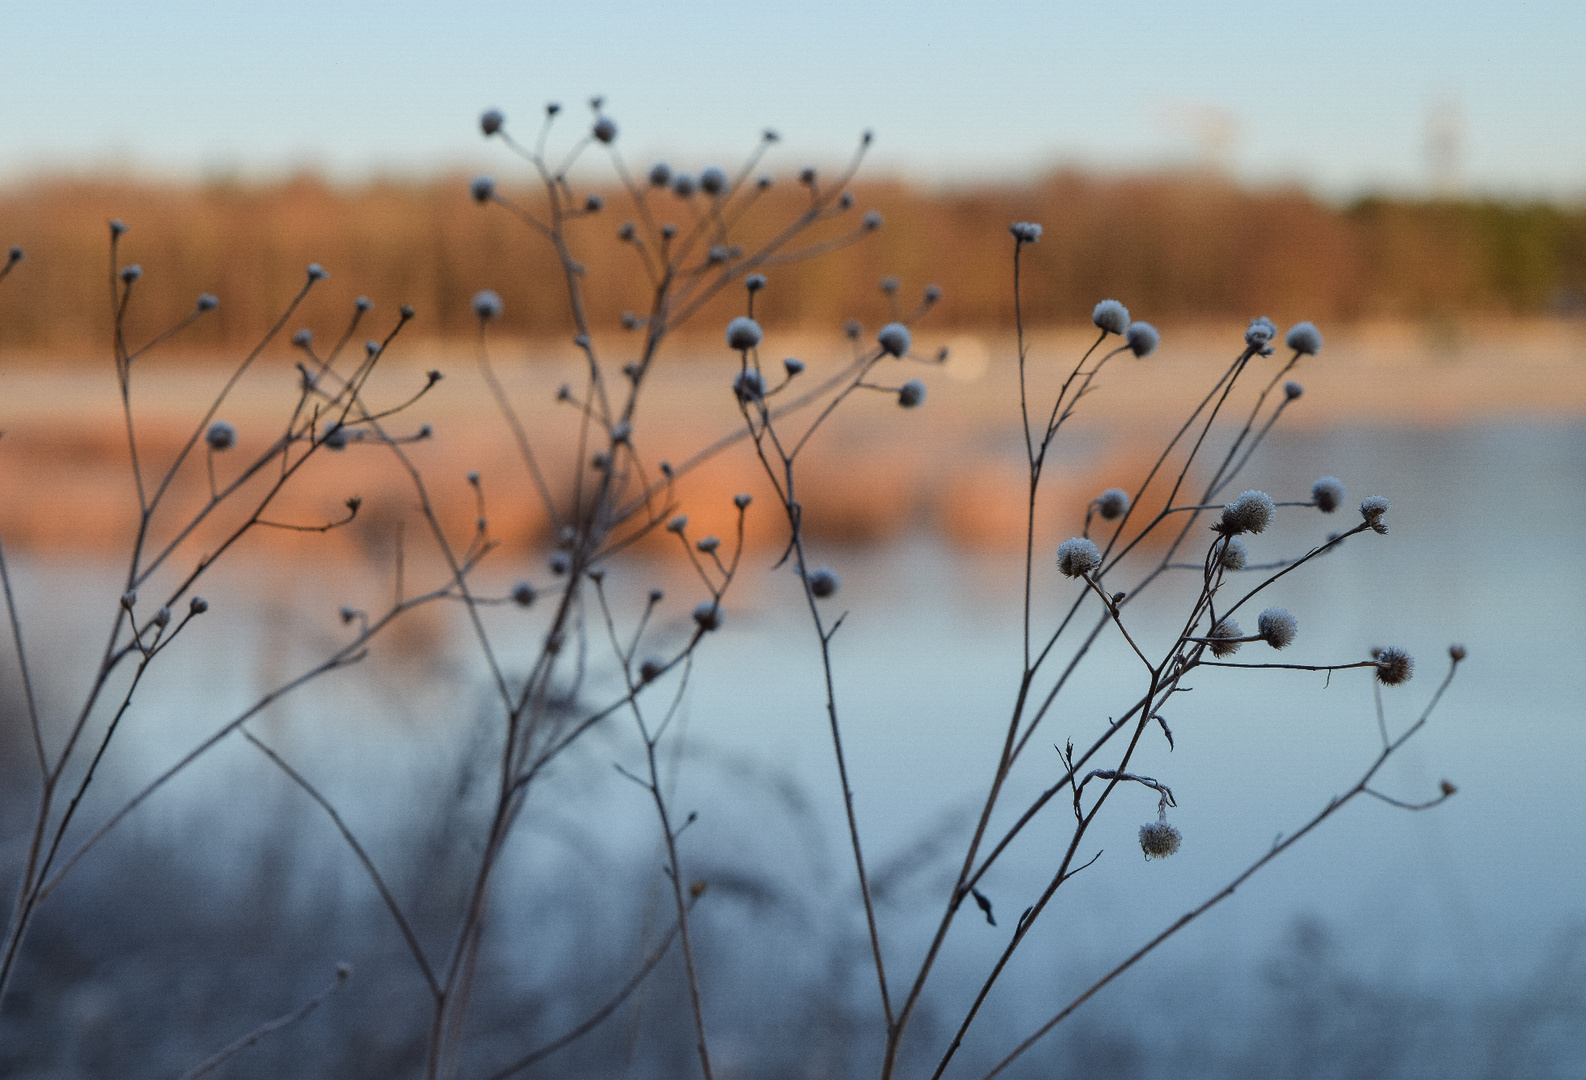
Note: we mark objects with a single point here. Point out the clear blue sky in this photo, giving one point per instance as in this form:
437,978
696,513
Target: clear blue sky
1335,93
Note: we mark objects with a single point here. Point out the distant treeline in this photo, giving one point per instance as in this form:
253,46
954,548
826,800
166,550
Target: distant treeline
1171,247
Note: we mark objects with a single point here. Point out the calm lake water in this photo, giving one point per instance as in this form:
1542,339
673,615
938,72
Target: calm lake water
1464,903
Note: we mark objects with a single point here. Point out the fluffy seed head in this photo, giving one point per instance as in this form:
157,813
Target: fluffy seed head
129,274
1251,512
1277,627
1224,637
316,272
1394,665
221,436
1328,494
208,301
363,303
1077,557
162,618
1111,317
1372,507
604,129
303,338
824,581
1260,333
490,121
129,598
1233,555
1159,840
1304,339
1142,338
793,365
872,220
743,333
713,181
1113,503
749,385
911,395
1292,390
754,282
742,500
198,605
677,524
1025,232
708,615
487,304
707,544
895,339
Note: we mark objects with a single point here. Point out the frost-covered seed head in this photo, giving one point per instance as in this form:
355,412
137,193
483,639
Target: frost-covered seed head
523,594
742,500
743,333
824,581
1394,666
683,185
1277,627
117,227
316,272
604,129
1328,494
793,365
1142,338
1077,557
363,303
487,304
1233,555
1111,317
490,121
208,301
708,615
754,282
1159,840
872,220
890,284
129,274
713,181
162,618
561,562
651,669
677,524
911,395
129,598
660,174
1304,339
1025,232
895,339
707,544
1113,503
1261,332
1224,637
197,606
303,338
1251,512
221,436
749,385
1293,390
1373,507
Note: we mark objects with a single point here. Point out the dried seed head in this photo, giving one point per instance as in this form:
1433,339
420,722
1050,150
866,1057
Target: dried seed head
707,544
1251,512
708,615
363,304
932,293
316,272
1159,839
911,395
1304,339
793,365
604,130
372,347
660,174
117,227
1025,232
1394,665
1447,788
487,304
593,204
1111,317
1077,557
221,436
1456,653
162,618
523,594
198,605
129,274
742,500
1372,507
1225,637
852,328
890,285
1142,338
1292,390
1233,555
1113,503
335,437
1260,333
561,562
749,385
208,301
348,614
17,254
754,282
823,581
303,338
651,669
1277,627
1328,494
129,598
895,339
683,185
743,333
872,220
713,181
490,121
677,524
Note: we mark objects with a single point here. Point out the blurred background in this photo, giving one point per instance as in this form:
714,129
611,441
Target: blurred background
1411,176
